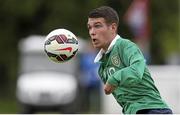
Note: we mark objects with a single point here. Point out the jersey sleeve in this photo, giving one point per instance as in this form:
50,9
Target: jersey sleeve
134,63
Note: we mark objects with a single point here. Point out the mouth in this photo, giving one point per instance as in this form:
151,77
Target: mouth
94,40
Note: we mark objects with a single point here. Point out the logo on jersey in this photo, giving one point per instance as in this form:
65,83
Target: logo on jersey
115,60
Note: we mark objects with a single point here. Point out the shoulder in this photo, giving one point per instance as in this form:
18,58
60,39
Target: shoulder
122,42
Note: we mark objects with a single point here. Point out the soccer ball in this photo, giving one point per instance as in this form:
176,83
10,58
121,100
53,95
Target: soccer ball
60,45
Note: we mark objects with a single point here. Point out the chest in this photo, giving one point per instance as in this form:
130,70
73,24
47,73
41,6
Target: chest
110,63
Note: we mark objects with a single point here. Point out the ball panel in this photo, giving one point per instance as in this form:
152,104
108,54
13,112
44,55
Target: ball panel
61,39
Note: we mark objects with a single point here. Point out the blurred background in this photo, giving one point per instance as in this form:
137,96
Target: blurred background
153,24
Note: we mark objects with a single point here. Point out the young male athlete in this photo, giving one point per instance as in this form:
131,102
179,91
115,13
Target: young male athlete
122,66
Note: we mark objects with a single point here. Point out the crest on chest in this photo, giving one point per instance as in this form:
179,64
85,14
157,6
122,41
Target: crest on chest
115,60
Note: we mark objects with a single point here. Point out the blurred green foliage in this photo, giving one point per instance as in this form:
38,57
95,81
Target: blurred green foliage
21,18
165,20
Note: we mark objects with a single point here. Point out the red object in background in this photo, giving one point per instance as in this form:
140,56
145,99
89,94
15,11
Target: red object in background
137,18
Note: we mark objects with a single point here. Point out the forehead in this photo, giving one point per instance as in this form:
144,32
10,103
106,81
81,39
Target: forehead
92,21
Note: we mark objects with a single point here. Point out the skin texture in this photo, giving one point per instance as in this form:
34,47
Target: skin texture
102,35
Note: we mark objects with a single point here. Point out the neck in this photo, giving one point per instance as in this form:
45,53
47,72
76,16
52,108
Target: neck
109,42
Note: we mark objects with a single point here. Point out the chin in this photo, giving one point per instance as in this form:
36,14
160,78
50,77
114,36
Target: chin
97,47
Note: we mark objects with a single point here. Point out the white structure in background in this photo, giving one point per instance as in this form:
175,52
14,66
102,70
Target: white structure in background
42,83
167,80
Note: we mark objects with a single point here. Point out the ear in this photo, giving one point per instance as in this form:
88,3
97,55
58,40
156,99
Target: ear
114,27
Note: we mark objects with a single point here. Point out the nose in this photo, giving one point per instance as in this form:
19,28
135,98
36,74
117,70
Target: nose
92,32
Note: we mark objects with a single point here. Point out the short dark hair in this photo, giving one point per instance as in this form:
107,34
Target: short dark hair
106,12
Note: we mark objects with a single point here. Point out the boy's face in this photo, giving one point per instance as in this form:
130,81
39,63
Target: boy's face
101,34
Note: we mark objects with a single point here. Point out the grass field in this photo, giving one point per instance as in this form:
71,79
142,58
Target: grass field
8,106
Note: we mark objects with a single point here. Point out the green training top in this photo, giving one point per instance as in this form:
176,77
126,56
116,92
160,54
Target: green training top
123,65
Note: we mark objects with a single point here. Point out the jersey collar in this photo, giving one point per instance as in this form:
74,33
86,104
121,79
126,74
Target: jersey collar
101,52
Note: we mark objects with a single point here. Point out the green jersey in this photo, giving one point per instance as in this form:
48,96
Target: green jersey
123,65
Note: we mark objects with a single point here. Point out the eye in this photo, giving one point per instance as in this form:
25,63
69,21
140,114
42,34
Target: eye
97,26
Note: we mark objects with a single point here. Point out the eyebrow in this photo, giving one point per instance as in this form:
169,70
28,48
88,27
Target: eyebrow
94,23
97,23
